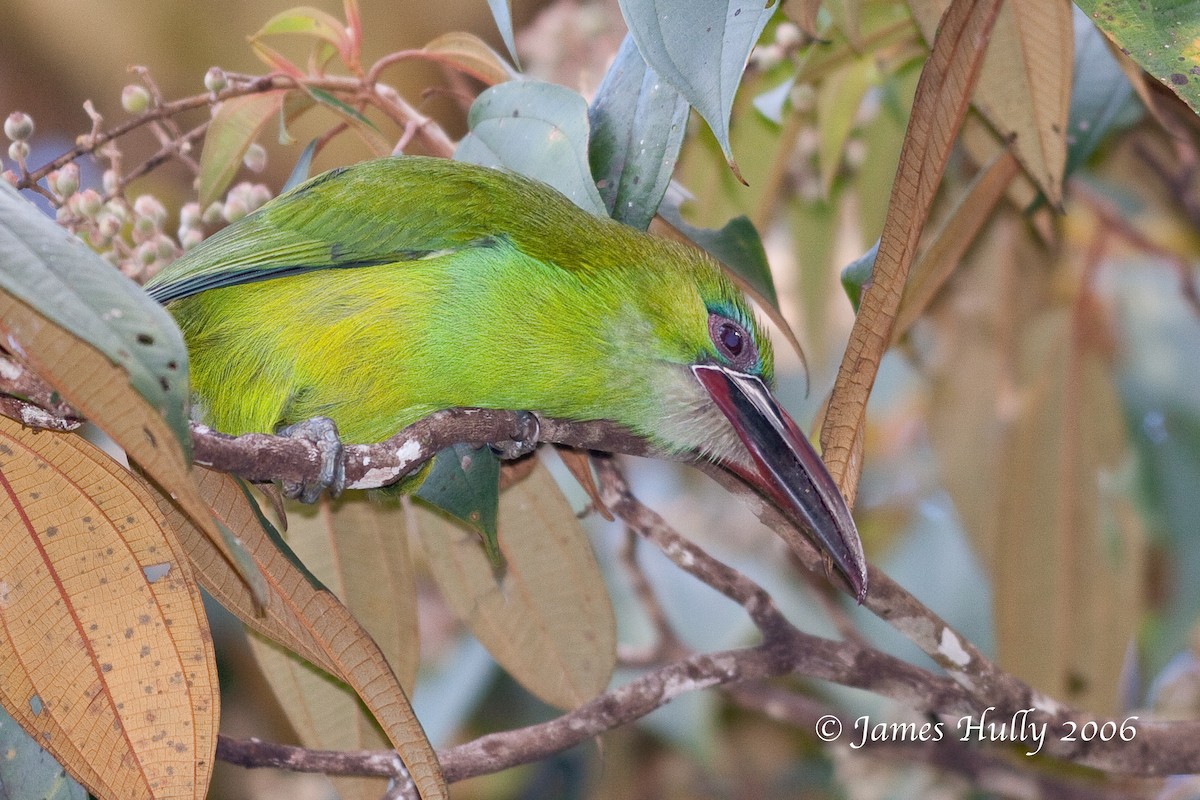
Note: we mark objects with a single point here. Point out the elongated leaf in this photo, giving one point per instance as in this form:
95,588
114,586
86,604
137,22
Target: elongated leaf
140,348
359,549
838,99
468,53
365,129
61,279
539,130
29,771
637,123
546,617
938,110
701,48
307,21
305,617
1161,37
956,234
237,123
105,653
502,12
1067,522
737,245
1024,87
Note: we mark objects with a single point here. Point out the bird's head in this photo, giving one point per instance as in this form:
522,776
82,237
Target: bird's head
714,370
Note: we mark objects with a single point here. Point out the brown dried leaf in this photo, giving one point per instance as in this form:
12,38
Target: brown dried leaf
938,110
804,14
546,618
939,261
105,654
359,549
1029,437
983,146
1024,87
306,618
1074,551
100,390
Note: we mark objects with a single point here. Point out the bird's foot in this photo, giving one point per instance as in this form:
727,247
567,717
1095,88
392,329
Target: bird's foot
525,442
323,433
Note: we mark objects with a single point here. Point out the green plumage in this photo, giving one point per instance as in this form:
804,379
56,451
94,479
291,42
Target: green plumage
381,292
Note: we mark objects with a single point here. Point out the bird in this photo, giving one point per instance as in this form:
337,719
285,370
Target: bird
377,293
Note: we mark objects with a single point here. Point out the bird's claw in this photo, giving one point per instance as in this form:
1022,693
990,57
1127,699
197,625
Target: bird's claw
323,433
524,443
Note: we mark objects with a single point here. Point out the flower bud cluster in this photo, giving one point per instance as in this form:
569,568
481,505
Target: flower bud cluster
19,129
242,199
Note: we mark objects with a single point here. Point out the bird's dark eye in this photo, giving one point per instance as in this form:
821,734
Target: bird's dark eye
732,341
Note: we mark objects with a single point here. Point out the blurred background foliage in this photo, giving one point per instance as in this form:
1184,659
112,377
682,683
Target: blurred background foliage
1033,448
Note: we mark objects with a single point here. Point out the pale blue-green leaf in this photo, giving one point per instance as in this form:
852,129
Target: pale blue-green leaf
737,245
537,129
701,47
464,482
637,123
59,277
771,102
502,12
1101,98
303,167
28,771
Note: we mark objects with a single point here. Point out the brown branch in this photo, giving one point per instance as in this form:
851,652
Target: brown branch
665,644
262,457
92,142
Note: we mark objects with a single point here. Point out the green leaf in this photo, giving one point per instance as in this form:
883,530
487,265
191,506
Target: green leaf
468,53
1163,38
1101,97
26,770
537,129
309,22
637,123
361,125
464,481
502,12
237,123
700,47
57,276
857,275
838,100
737,245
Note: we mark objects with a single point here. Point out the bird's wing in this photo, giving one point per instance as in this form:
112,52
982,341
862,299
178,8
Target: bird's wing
378,212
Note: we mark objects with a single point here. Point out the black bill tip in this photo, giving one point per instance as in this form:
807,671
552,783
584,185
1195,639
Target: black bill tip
787,468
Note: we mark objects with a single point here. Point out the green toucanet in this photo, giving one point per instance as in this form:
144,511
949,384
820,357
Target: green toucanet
379,293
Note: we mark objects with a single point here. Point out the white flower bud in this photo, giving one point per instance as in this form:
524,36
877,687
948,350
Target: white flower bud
18,126
255,158
135,99
788,35
148,206
19,151
65,181
215,80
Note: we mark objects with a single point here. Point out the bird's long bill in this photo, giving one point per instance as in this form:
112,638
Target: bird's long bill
789,470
